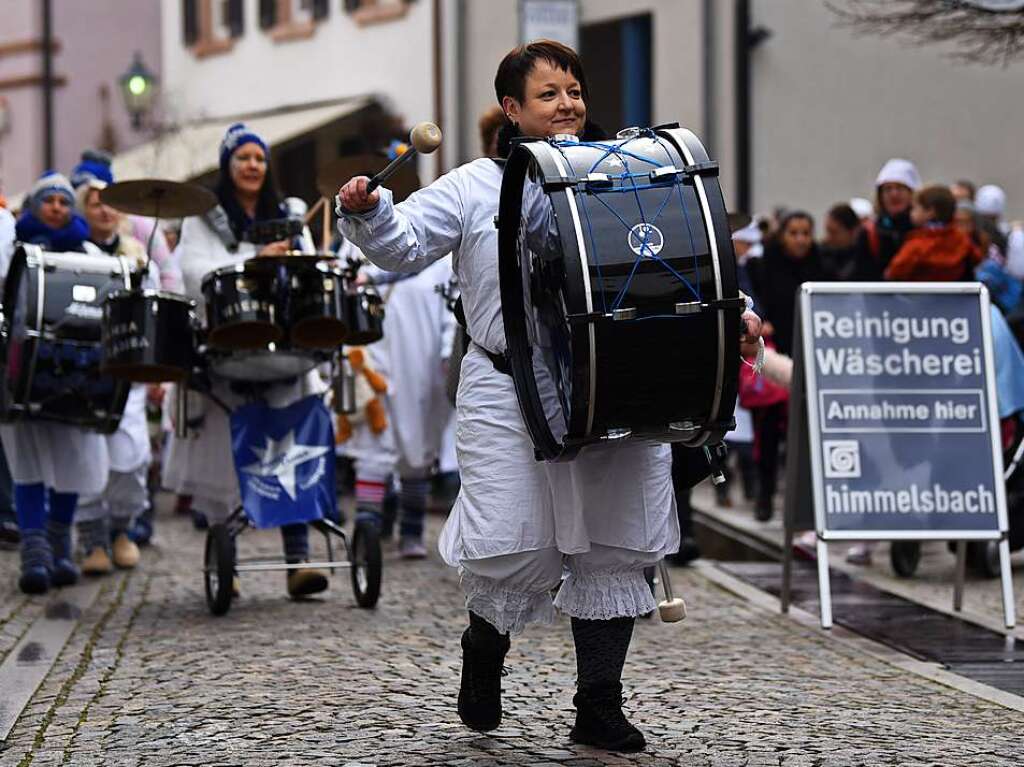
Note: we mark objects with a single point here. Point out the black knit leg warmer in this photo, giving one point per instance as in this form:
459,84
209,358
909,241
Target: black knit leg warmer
601,648
483,656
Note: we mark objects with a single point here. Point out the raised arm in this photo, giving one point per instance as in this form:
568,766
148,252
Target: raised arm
405,237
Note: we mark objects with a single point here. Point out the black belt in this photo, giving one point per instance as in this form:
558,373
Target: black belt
500,361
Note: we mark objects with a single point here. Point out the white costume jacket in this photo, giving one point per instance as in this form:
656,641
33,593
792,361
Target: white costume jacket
202,465
620,497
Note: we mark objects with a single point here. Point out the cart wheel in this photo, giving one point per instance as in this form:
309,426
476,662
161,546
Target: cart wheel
983,558
219,570
366,564
905,556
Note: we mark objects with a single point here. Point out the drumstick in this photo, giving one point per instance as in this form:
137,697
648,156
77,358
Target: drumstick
425,138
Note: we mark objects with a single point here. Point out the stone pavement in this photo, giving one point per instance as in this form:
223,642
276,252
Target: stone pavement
150,678
932,584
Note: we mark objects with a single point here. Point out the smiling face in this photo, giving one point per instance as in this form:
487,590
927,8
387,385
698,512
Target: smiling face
248,169
552,103
102,219
55,211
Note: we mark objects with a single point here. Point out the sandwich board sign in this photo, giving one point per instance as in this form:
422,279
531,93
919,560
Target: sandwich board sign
894,430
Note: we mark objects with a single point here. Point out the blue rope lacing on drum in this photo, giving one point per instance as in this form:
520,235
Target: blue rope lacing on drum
624,156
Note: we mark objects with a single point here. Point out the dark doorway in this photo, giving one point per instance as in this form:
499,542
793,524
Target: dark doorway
295,170
617,56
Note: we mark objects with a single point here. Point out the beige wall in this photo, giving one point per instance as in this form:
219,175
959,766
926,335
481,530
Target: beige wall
97,41
830,108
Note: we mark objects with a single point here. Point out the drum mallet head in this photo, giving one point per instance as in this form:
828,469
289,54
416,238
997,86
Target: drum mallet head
672,609
425,138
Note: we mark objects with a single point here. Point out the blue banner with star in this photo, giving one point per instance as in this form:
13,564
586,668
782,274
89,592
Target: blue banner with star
284,458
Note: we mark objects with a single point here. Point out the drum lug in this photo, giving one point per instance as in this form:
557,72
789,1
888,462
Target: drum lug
613,435
684,426
624,314
703,169
497,224
664,174
689,307
597,181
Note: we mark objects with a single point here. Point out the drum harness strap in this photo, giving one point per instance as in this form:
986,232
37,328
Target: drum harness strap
500,361
217,219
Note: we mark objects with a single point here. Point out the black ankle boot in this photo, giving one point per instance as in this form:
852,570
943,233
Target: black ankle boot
600,721
483,653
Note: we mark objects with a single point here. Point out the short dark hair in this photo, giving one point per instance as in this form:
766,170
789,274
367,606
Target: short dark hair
968,185
939,199
519,62
845,215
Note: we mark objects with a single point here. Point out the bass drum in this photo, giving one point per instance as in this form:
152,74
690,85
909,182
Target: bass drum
50,339
618,291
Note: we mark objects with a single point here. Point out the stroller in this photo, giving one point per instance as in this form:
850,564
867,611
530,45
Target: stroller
298,443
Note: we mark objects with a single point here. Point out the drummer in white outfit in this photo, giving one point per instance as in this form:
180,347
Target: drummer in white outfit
51,463
103,520
202,465
518,523
409,356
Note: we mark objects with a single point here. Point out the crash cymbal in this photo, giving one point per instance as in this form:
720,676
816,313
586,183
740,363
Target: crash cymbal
404,182
158,197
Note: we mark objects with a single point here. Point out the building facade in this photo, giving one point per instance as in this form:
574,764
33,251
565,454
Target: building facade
92,44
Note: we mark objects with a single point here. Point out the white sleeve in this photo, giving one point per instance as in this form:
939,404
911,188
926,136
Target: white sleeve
1015,253
413,234
7,235
196,249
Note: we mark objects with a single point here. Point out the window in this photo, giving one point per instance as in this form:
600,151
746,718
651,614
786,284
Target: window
618,55
190,22
292,19
234,17
209,28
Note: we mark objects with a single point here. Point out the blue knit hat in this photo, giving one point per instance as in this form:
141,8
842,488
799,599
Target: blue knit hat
94,165
51,182
237,135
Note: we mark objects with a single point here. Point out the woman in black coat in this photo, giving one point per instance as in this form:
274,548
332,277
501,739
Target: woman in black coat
790,258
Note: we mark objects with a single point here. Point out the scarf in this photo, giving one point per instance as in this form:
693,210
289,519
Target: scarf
32,231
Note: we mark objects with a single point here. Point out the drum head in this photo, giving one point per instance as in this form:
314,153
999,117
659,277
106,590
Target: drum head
264,366
319,333
245,336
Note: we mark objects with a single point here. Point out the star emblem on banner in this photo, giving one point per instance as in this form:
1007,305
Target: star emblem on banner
281,457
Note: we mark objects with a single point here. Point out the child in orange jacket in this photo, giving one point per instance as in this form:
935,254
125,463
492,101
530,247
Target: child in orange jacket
935,250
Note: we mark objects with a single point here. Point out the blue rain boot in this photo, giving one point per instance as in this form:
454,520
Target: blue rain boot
36,562
64,572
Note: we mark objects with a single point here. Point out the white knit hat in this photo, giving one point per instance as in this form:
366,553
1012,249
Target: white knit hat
862,207
897,171
990,201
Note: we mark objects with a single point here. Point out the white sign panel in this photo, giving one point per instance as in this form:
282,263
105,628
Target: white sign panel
550,19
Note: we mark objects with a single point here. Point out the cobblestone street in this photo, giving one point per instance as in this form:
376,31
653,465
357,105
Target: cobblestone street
150,678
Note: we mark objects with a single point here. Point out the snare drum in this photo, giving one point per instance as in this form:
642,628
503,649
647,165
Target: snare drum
272,319
619,295
365,317
148,336
51,339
